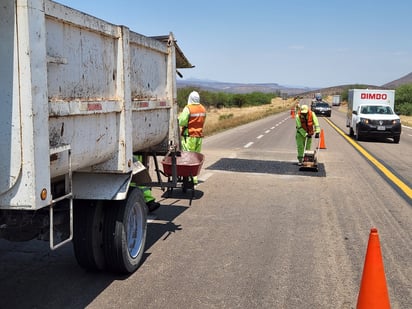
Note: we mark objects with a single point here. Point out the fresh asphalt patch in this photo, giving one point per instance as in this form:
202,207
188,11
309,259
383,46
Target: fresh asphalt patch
265,167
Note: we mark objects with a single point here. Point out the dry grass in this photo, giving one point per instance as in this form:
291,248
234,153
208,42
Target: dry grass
406,120
225,118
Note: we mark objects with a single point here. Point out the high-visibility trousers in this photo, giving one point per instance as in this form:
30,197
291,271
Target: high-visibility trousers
300,143
147,192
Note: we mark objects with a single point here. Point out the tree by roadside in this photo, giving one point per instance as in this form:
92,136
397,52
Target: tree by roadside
403,100
223,99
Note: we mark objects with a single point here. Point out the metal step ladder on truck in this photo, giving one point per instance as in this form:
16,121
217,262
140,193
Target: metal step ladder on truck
371,114
80,97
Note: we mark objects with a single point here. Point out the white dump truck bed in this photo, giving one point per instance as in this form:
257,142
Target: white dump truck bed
79,95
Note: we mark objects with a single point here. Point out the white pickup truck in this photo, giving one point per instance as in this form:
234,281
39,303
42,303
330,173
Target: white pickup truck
371,114
80,97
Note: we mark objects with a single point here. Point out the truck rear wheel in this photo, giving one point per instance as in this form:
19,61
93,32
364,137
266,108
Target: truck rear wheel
88,234
125,230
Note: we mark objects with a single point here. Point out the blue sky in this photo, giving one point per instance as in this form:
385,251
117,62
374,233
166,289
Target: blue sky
315,43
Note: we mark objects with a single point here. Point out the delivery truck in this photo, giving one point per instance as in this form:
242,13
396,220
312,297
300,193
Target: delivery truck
371,114
80,98
336,100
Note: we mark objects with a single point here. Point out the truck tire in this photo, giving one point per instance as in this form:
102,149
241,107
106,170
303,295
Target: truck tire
88,234
125,228
351,132
396,139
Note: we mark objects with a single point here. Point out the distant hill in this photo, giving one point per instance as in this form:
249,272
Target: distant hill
336,90
239,88
273,87
407,79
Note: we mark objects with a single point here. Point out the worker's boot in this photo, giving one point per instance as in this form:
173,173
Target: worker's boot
152,205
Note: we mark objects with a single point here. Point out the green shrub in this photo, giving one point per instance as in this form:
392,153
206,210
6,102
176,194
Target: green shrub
403,100
223,99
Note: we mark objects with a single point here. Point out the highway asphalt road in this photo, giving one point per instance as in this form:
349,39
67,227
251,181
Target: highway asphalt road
258,234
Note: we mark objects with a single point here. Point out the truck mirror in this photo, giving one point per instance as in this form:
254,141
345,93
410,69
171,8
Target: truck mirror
354,112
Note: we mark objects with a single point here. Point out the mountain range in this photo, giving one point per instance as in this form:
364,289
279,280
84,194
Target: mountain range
216,86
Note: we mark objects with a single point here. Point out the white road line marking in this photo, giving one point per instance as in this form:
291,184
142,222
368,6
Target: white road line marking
272,128
248,145
259,137
267,131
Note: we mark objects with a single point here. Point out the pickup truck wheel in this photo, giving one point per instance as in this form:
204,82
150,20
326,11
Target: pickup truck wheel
351,132
125,230
88,234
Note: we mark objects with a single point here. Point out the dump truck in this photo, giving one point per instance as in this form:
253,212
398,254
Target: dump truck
371,114
80,98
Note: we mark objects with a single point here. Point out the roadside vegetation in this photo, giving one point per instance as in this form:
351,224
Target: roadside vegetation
403,100
406,120
222,99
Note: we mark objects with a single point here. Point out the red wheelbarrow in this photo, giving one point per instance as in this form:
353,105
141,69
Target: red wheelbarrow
181,167
188,164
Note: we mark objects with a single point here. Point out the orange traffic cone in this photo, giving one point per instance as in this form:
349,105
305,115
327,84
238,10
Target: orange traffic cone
322,140
292,113
373,292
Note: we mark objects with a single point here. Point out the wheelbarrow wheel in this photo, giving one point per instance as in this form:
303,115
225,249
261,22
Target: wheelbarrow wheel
187,184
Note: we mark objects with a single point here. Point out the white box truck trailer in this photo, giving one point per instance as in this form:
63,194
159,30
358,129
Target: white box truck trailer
371,114
336,100
79,97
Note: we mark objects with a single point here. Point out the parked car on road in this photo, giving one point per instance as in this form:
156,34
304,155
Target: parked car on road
321,109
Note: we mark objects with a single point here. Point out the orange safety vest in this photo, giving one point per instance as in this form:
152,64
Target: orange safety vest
196,120
307,123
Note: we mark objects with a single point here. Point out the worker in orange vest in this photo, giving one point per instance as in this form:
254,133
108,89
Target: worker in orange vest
307,124
191,121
